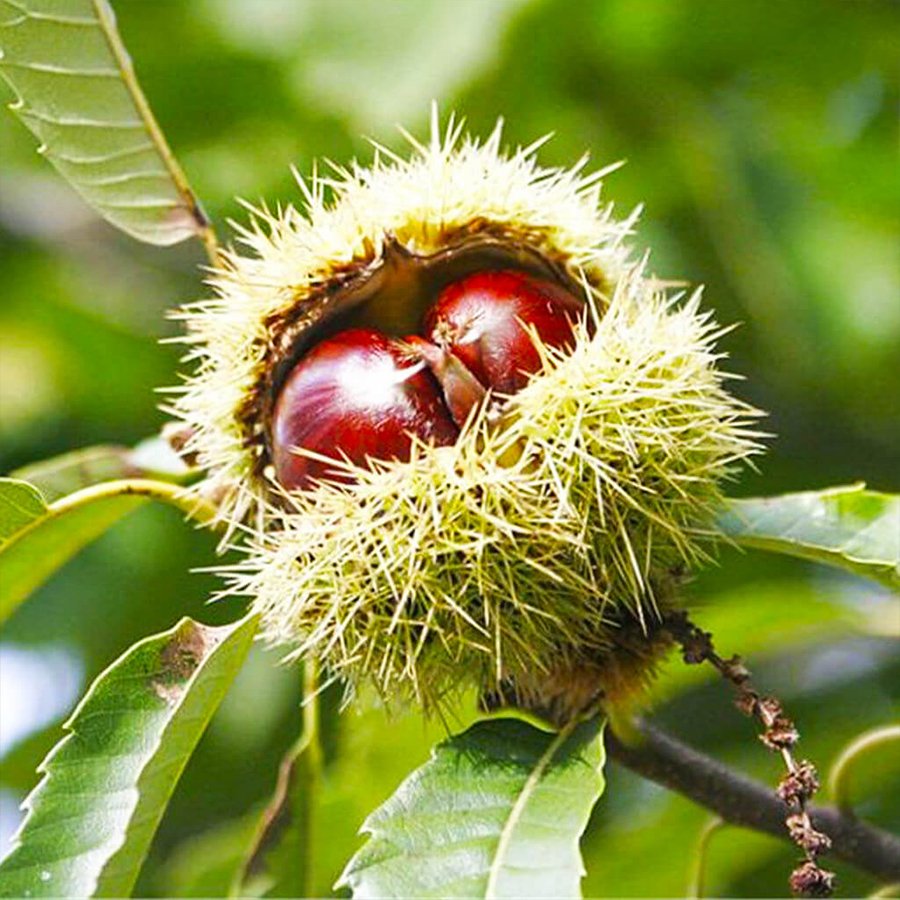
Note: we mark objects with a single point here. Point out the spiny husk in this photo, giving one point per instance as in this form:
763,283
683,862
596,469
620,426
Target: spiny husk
451,188
538,551
525,546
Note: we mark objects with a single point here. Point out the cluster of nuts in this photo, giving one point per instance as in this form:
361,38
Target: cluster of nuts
361,395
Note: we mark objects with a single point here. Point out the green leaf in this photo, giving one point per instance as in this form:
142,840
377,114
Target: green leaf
70,472
497,812
377,749
46,537
77,92
20,505
849,527
90,821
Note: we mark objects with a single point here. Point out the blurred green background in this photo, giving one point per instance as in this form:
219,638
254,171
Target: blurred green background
762,139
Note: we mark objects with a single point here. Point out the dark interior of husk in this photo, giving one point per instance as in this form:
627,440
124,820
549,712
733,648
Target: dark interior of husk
392,294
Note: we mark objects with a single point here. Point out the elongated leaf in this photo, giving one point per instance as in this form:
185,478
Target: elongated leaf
497,812
850,527
107,783
79,469
46,537
78,93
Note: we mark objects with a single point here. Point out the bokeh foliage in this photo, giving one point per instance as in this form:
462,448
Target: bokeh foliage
762,139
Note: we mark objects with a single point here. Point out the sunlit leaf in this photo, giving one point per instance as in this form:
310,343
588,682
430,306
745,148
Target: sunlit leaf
498,811
377,750
47,537
850,527
90,821
78,93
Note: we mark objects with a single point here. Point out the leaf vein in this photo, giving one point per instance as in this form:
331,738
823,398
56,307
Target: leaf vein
101,158
50,69
80,121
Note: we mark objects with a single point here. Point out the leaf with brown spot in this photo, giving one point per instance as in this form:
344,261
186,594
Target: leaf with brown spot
107,783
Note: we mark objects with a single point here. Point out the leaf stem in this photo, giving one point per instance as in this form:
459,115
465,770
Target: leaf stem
312,747
838,781
195,508
697,882
280,858
202,225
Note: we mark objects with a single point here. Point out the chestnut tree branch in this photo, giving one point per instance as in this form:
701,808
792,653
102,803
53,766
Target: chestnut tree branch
748,803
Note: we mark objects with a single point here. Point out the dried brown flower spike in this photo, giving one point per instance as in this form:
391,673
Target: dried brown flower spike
780,735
